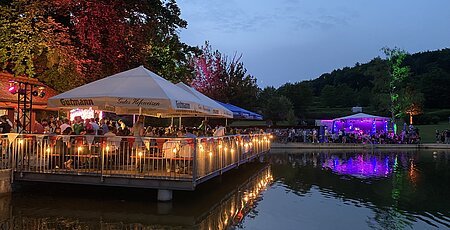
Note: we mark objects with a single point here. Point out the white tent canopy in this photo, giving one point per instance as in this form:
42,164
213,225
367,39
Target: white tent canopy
135,91
214,109
361,116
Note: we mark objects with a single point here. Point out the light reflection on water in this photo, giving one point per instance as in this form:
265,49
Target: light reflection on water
293,190
358,190
218,204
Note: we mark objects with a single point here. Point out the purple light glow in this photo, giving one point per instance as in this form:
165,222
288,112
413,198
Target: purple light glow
360,126
360,166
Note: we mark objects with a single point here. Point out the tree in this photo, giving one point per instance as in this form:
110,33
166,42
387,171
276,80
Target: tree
278,108
75,41
300,94
411,102
264,95
32,43
398,73
224,79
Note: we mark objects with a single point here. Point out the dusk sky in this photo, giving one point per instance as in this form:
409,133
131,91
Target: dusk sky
294,40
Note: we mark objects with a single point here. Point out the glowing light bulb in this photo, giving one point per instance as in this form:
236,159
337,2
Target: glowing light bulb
174,150
225,149
210,154
107,148
47,150
140,154
80,148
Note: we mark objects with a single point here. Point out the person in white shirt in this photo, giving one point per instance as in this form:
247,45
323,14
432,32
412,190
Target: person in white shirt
95,126
65,125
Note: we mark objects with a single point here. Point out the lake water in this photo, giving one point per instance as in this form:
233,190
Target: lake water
291,190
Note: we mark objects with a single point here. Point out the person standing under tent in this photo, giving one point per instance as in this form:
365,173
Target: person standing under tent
138,130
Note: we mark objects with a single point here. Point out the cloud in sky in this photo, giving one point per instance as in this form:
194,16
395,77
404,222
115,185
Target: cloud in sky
294,40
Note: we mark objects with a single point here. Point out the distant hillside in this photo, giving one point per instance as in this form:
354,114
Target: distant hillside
367,85
430,74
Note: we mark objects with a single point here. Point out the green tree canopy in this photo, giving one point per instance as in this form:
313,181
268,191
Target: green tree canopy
76,41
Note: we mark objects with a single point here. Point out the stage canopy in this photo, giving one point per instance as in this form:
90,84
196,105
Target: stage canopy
360,123
214,108
240,113
135,91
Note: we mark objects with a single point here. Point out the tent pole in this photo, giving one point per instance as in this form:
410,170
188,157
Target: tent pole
171,122
226,122
179,123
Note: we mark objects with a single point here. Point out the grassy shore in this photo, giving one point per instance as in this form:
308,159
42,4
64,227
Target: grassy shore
428,132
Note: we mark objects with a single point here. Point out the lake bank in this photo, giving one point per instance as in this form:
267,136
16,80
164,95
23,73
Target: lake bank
298,145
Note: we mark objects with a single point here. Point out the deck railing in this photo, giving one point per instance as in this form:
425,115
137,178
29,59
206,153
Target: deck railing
126,156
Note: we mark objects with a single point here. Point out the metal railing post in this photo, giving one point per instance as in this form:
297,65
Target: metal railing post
194,166
102,164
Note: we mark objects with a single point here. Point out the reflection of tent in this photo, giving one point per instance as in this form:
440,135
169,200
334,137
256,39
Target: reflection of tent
136,91
240,113
214,108
360,122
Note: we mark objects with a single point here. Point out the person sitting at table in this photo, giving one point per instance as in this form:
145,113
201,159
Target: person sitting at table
111,132
38,128
4,125
149,132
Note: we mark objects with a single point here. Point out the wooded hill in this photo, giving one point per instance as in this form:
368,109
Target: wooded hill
367,85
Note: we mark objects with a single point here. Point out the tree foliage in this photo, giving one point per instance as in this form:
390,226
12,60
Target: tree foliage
300,94
63,40
398,73
278,108
34,43
224,79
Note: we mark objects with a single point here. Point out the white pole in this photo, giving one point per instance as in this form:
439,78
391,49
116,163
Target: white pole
179,123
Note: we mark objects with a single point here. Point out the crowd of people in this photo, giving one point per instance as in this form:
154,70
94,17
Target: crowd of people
443,136
110,127
409,135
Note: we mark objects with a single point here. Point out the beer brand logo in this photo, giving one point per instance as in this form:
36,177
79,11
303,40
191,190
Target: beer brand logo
76,102
183,105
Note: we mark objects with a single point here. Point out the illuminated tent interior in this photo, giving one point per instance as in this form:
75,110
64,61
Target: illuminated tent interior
360,123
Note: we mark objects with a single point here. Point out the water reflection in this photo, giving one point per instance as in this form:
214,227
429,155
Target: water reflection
216,205
369,165
407,189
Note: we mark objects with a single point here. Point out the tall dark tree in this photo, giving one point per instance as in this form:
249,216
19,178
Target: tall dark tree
398,73
278,108
300,94
224,79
